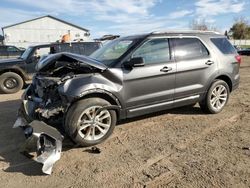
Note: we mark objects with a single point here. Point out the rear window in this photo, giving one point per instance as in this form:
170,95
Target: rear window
189,48
224,45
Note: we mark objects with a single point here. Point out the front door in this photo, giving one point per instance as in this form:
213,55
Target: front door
150,87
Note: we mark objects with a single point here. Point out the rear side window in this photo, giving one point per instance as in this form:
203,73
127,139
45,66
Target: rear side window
189,48
223,45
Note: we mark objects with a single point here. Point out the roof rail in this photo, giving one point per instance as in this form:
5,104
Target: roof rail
183,31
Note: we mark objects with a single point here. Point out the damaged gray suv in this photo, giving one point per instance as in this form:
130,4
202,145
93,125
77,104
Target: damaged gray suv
128,77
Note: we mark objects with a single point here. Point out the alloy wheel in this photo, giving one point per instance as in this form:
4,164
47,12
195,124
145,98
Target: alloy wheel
218,97
93,126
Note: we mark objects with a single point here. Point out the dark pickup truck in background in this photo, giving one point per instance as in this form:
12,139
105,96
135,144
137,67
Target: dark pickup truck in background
245,51
7,52
15,72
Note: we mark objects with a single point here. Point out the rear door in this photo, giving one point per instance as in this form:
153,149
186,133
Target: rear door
151,87
194,67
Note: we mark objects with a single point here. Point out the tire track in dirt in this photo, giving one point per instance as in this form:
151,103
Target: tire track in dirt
147,176
221,124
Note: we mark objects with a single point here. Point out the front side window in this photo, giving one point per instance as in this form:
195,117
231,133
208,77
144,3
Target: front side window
189,48
154,51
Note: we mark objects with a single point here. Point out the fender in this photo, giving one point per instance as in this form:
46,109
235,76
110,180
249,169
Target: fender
15,69
118,107
210,81
101,91
79,87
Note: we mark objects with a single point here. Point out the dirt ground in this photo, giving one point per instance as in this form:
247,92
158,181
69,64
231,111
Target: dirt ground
176,148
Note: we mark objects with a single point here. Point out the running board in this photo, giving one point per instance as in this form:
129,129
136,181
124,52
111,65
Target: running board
165,103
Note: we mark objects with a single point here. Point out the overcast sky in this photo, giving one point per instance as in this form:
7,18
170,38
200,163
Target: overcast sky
127,16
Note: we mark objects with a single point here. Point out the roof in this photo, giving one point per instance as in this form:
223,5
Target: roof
49,16
186,32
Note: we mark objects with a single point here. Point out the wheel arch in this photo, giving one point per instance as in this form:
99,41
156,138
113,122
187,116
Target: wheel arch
223,77
99,93
226,79
17,71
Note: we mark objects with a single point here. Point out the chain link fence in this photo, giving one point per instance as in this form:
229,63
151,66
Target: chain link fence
240,42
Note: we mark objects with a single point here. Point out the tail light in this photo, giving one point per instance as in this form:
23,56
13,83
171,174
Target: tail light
238,58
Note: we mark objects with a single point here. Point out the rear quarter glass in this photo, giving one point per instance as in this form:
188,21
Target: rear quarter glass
224,45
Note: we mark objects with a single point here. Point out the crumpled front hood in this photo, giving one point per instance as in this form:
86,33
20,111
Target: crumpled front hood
49,62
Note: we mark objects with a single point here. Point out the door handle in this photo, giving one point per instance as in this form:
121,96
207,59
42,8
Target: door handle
166,69
209,62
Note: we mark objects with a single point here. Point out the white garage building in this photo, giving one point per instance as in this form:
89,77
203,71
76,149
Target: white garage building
42,30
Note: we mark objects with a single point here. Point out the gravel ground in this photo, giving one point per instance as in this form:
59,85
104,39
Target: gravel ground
175,148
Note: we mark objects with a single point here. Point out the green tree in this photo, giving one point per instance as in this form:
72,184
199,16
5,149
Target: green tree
240,29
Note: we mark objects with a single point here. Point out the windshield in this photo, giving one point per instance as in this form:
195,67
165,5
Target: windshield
113,50
26,53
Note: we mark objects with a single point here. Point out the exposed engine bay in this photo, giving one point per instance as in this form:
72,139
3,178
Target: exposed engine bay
45,96
53,72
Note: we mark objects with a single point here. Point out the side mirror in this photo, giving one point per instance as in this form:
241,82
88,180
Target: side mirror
135,62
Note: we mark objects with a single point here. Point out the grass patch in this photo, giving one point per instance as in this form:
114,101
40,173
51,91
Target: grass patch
245,46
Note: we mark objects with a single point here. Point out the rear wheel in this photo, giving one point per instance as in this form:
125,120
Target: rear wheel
216,98
10,82
88,126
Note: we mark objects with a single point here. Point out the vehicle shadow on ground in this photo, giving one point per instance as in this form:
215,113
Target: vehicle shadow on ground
11,140
185,110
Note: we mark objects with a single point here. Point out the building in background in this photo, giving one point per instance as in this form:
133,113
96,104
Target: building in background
45,29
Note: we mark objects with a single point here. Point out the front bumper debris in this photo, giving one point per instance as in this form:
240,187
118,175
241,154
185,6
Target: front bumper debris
43,142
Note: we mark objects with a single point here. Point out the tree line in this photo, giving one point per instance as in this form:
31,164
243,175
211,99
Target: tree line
239,30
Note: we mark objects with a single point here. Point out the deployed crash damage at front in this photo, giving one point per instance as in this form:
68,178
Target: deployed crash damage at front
43,141
61,79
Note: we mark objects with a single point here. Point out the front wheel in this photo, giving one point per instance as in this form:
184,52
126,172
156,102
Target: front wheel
216,98
85,125
10,82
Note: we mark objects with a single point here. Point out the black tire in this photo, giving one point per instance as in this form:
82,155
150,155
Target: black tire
10,82
206,105
73,115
